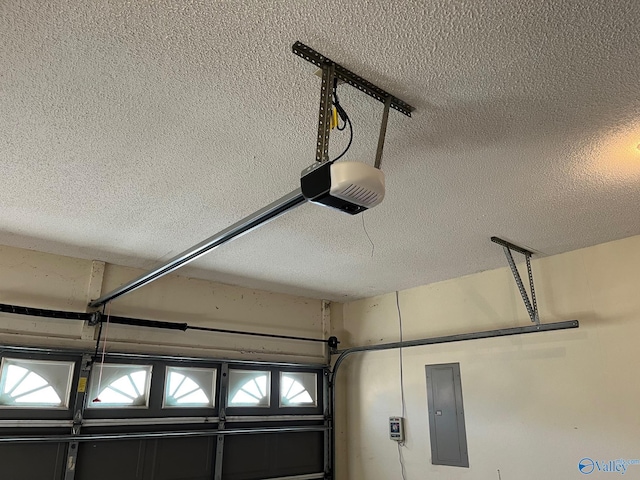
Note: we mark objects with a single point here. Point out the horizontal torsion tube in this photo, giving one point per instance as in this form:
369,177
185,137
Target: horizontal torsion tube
255,334
139,322
41,312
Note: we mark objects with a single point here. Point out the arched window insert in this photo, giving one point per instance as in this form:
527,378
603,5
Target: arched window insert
249,388
190,387
35,383
298,389
119,386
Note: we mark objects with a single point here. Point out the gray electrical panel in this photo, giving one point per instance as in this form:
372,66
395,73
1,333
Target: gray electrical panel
446,415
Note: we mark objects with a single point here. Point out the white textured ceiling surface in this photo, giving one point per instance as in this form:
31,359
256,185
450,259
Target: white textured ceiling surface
129,131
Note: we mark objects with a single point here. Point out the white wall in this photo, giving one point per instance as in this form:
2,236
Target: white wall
35,279
534,404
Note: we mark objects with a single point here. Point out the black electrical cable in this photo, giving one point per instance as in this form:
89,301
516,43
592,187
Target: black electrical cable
349,144
345,119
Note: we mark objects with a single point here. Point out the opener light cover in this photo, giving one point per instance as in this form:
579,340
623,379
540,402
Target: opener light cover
358,183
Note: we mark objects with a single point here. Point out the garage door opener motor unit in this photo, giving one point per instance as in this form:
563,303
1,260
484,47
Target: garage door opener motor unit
350,187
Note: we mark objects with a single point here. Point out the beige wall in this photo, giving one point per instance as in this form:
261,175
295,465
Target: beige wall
534,404
42,280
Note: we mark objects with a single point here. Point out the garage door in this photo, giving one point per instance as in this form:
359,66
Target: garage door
162,418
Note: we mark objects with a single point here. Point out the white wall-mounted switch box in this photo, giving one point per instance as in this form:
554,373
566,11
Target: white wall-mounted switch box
396,429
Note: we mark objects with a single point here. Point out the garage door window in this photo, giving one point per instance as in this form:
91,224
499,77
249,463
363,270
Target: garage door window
119,386
298,389
249,388
189,387
34,383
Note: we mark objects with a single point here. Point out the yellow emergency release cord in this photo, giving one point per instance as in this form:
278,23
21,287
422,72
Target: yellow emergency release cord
334,118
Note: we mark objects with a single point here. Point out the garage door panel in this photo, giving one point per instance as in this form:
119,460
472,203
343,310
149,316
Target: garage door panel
181,459
32,461
245,457
298,453
254,457
121,459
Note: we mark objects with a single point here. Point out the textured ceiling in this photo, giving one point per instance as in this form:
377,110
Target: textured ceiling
130,131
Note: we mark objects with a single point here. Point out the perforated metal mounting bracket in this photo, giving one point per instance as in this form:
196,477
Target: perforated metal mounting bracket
347,76
330,70
324,114
530,304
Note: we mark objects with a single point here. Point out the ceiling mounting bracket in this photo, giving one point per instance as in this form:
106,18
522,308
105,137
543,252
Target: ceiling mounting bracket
383,132
324,114
530,304
347,76
330,71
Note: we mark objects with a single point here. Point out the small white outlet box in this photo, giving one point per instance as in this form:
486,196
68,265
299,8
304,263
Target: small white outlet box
396,429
